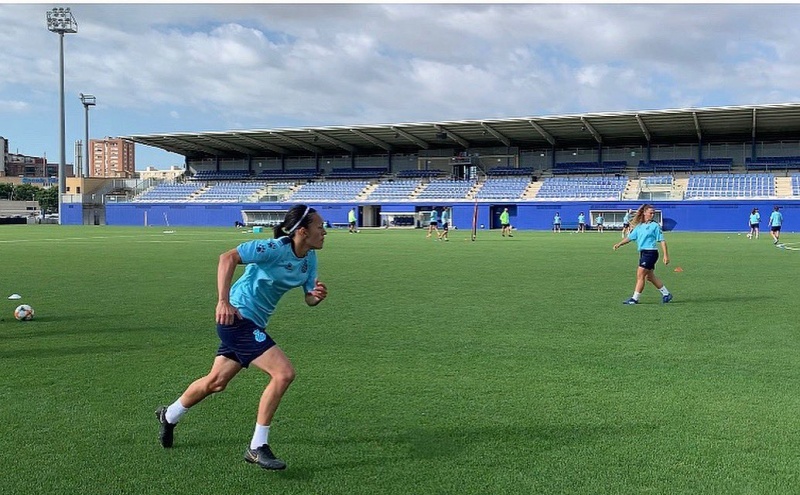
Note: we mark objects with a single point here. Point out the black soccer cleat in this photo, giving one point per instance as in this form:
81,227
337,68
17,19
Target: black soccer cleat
264,457
165,434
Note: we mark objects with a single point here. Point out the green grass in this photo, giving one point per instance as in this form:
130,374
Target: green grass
496,366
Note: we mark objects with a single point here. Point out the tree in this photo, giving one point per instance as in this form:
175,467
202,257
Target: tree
48,199
6,190
25,192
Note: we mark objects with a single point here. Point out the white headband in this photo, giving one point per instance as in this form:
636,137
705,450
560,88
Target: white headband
299,221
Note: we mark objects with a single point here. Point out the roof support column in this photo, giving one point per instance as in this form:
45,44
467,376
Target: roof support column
753,144
699,150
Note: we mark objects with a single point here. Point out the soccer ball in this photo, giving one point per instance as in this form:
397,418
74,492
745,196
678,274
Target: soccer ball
749,236
23,312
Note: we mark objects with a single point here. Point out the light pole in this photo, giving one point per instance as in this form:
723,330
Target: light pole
60,20
88,101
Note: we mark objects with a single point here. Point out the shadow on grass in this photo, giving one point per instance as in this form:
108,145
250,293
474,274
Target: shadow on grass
470,444
719,298
79,350
29,330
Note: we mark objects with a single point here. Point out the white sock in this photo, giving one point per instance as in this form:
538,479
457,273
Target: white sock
636,296
664,290
260,436
175,412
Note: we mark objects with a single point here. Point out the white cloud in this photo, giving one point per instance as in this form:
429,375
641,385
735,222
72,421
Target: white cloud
160,67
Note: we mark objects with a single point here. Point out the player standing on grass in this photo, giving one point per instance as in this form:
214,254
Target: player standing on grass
626,222
599,221
433,223
775,221
647,234
445,224
274,266
505,223
755,220
351,221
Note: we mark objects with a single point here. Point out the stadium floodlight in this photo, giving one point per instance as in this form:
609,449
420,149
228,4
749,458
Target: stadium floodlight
88,101
61,21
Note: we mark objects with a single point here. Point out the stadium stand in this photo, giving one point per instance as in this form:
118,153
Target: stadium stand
730,186
606,168
796,185
169,192
582,188
297,174
772,163
503,188
422,174
686,165
658,180
509,171
447,189
357,173
205,175
391,190
328,190
230,192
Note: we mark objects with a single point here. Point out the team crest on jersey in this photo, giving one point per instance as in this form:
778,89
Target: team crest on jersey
289,266
272,244
259,335
304,268
260,248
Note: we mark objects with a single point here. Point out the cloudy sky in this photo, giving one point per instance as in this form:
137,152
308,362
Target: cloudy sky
201,67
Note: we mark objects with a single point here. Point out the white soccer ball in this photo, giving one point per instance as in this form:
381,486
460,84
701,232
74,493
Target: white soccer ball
23,312
749,236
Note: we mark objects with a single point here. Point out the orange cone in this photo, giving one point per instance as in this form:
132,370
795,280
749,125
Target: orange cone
678,269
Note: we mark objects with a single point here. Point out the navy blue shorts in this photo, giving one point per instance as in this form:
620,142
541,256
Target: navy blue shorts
648,259
775,228
243,341
445,226
753,225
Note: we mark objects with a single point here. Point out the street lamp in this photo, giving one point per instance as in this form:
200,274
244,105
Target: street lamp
60,20
88,101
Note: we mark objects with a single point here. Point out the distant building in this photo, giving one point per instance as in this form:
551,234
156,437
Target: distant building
112,157
153,173
16,165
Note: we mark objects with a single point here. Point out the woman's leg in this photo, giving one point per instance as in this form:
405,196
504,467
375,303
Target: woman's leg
275,363
651,276
222,371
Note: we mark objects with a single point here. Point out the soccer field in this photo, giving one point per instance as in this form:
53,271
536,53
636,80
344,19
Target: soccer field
505,365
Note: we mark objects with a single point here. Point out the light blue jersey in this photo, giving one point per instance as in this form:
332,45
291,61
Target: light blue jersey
272,270
626,218
445,216
556,220
581,218
755,218
775,219
647,235
434,216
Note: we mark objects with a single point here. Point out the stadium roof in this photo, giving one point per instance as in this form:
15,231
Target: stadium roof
636,128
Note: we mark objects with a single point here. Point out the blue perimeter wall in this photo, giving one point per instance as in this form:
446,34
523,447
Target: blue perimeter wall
702,216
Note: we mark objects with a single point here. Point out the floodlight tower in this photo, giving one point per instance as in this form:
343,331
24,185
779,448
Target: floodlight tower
88,101
61,21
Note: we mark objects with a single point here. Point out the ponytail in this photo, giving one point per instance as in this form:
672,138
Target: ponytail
638,217
297,217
